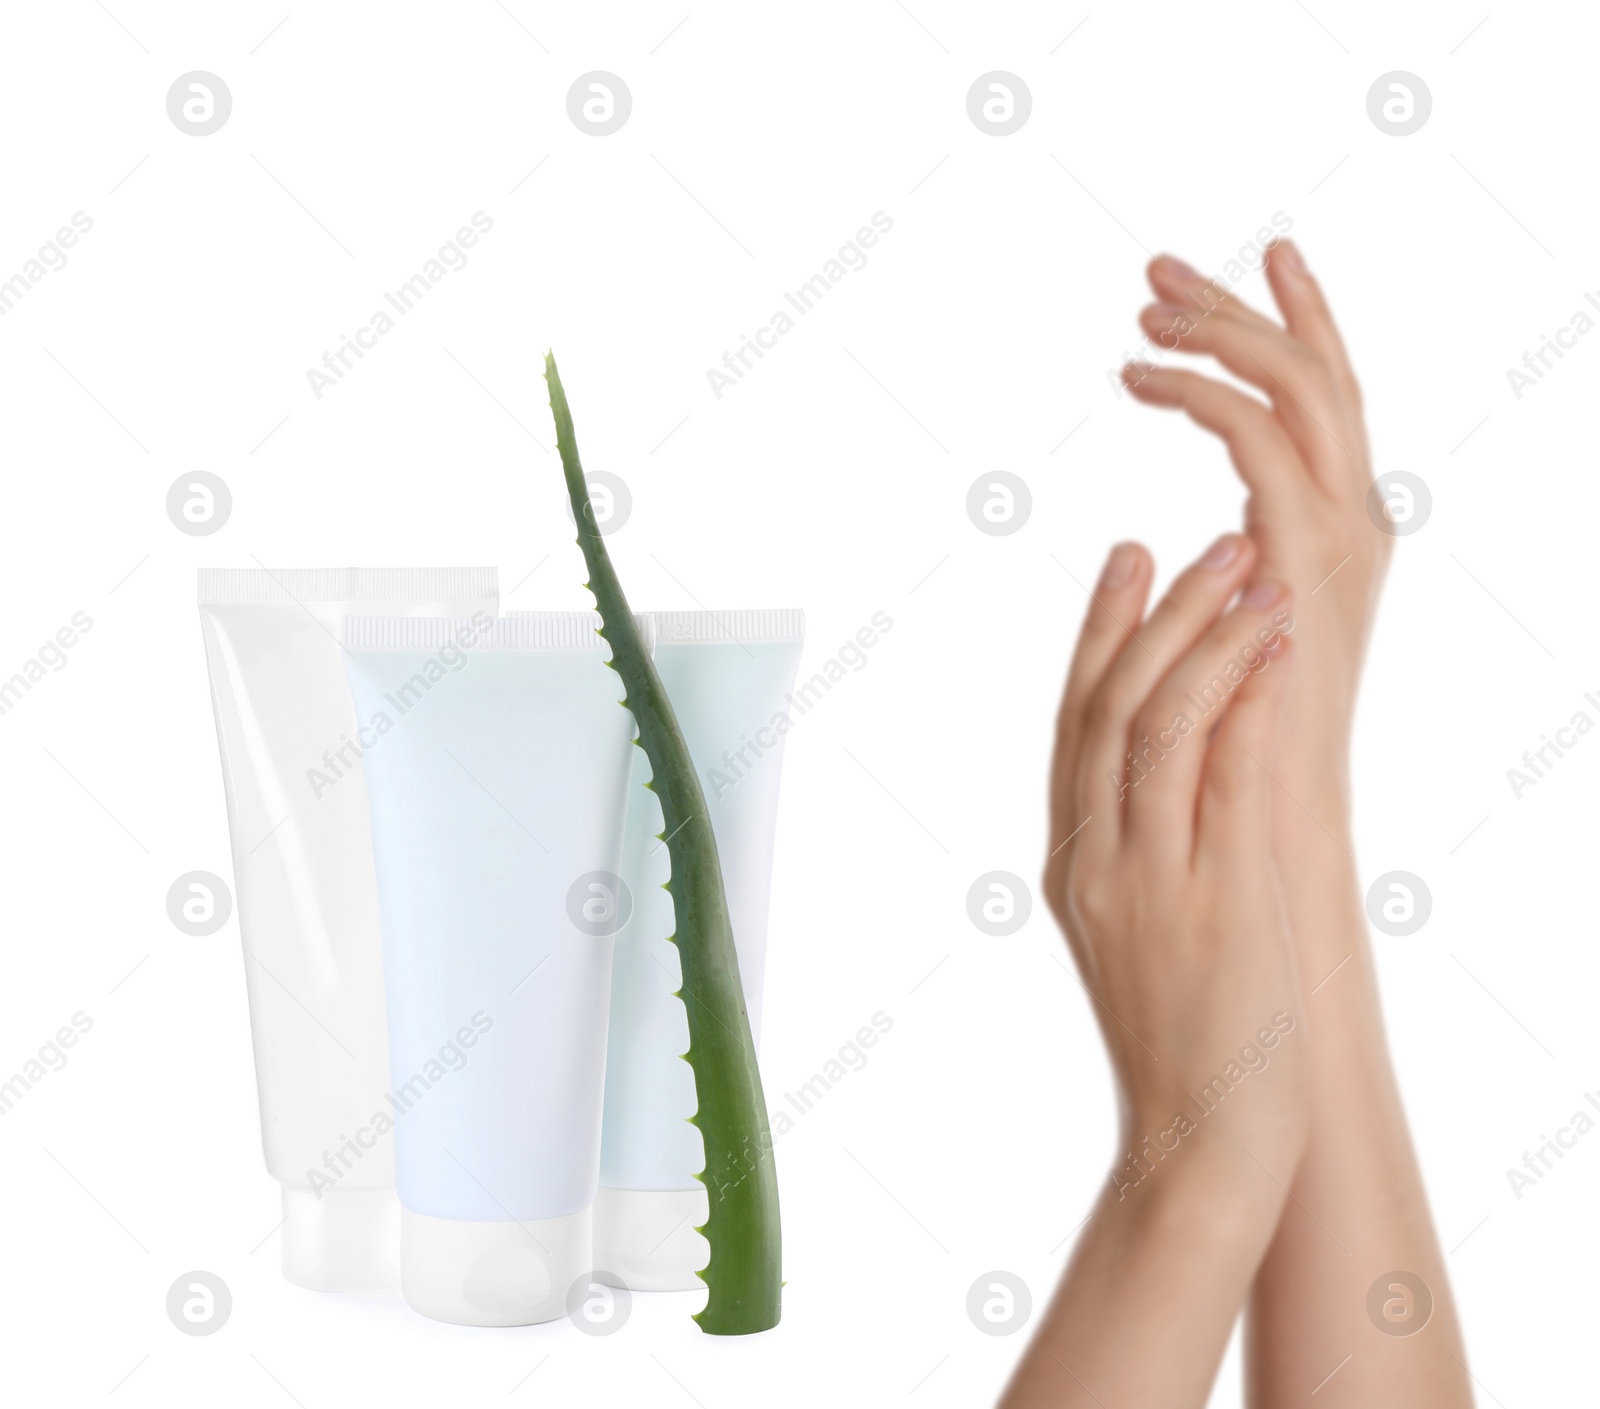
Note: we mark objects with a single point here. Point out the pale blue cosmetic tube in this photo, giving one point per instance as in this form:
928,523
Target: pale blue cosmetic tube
730,676
497,780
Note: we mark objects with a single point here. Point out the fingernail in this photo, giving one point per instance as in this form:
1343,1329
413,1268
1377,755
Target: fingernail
1135,372
1119,567
1222,552
1181,269
1261,595
1288,254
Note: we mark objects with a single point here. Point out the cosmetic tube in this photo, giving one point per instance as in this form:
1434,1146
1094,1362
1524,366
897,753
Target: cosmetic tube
497,814
729,676
308,912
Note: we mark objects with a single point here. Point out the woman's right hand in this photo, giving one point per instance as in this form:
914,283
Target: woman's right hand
1303,456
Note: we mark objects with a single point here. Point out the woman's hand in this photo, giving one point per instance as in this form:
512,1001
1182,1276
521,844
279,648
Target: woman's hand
1166,890
1161,874
1303,456
1359,1209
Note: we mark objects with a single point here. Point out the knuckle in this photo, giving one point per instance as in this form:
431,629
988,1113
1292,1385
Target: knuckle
1091,899
1316,377
1153,726
1214,298
1229,416
1180,327
1227,780
1106,710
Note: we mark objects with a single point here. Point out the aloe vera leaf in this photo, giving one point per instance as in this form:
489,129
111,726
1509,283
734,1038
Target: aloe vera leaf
744,1274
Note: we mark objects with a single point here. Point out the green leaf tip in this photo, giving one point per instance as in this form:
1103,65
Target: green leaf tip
744,1274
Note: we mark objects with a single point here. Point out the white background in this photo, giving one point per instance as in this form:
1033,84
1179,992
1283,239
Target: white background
832,477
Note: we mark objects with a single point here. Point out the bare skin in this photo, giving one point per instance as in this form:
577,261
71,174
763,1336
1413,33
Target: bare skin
1216,876
1358,1207
1163,882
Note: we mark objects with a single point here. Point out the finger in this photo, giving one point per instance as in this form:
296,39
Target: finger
1305,312
1300,386
1193,602
1177,282
1235,804
1299,299
1172,730
1267,459
1116,607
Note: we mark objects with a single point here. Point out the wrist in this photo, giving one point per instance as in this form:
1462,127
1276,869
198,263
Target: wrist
1178,1163
1205,1193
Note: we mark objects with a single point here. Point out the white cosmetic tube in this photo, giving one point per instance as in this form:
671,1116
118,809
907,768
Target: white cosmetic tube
729,676
497,817
308,912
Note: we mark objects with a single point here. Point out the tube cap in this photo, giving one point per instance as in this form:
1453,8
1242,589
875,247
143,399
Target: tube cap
493,1274
343,1241
646,1239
